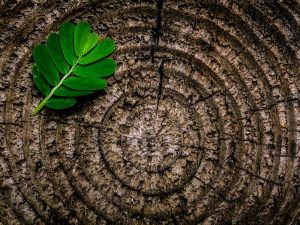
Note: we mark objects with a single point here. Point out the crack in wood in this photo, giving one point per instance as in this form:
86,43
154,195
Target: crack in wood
160,85
259,177
93,6
215,190
156,32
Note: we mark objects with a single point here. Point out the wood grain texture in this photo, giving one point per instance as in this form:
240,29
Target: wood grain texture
199,125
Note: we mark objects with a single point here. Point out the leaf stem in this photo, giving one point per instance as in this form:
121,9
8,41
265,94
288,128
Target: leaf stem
42,103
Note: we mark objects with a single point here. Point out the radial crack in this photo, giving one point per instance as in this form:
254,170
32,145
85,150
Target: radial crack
160,85
259,177
93,6
156,30
218,192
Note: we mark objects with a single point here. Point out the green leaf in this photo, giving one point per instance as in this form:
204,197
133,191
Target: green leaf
85,83
61,56
103,49
91,42
56,54
61,103
66,36
103,68
39,81
67,92
81,36
45,64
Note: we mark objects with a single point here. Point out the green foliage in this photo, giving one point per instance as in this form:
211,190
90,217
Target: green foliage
72,63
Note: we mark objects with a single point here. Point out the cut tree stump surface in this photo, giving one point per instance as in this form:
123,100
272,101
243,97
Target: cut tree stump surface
199,125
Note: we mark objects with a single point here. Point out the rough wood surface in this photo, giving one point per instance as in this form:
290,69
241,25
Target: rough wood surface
200,124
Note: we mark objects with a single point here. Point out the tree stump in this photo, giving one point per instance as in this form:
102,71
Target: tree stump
199,125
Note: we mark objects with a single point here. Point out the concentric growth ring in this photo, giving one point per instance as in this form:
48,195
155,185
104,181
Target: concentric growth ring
148,143
200,124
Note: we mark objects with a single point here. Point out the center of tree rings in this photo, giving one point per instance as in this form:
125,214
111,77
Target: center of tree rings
151,145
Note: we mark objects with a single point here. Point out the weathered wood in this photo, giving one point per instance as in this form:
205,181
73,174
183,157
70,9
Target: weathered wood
200,124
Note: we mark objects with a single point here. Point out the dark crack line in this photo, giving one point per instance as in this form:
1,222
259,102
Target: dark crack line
157,29
160,85
221,195
259,177
93,4
175,221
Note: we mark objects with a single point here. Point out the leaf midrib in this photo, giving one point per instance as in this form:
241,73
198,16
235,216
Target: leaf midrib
41,105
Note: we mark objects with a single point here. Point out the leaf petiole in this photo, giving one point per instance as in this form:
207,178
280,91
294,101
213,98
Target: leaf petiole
42,103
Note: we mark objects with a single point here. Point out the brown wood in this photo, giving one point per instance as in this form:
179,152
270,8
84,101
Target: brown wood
200,124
